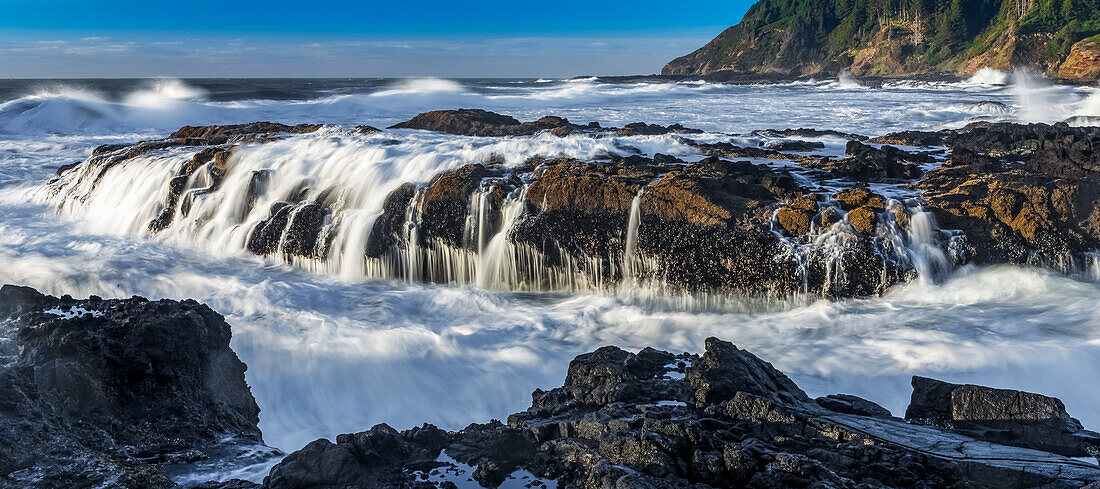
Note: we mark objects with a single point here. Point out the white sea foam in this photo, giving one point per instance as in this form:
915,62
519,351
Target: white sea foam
328,355
990,76
162,106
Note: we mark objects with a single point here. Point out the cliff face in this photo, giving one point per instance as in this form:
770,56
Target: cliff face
903,38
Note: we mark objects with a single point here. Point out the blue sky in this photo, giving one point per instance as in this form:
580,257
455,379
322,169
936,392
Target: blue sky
202,38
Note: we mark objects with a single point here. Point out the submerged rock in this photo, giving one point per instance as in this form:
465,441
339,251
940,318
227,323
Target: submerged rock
107,392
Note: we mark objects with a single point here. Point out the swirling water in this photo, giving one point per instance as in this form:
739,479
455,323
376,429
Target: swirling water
330,351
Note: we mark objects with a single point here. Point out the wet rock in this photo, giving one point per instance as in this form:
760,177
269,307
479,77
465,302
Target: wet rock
620,420
591,188
447,201
714,191
724,370
1013,212
64,168
849,404
795,145
864,219
807,133
901,216
643,129
828,217
103,392
478,122
388,231
294,230
859,197
367,130
797,218
867,163
731,151
913,138
254,132
1001,416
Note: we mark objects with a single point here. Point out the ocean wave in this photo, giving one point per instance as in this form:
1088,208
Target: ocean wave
162,106
990,76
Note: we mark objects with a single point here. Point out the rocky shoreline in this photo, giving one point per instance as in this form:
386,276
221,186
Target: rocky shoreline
121,393
118,393
783,217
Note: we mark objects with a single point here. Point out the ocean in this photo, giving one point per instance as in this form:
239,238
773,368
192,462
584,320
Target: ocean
338,347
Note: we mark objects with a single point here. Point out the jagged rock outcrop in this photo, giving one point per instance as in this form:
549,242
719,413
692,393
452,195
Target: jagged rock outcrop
776,225
1083,62
1001,416
97,393
867,163
655,419
479,122
1043,210
254,132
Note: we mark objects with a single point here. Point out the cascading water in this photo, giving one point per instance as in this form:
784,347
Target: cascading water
323,194
349,177
456,354
631,248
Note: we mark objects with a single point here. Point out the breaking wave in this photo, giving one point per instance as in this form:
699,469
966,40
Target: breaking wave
160,106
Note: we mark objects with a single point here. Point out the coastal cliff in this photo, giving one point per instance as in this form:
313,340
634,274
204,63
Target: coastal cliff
899,38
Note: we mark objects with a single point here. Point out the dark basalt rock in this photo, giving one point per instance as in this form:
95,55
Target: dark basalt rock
478,122
807,133
725,370
294,230
366,130
630,420
388,231
729,150
643,129
1015,213
795,145
64,168
104,392
849,404
254,132
1059,150
447,201
867,163
913,138
1001,416
1032,197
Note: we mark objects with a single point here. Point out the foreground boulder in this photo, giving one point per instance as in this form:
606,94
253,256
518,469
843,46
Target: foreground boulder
656,419
1001,416
97,393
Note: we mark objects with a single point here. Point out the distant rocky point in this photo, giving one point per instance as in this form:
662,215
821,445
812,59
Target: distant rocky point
886,38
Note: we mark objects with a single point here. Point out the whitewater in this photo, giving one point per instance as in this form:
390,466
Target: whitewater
332,347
